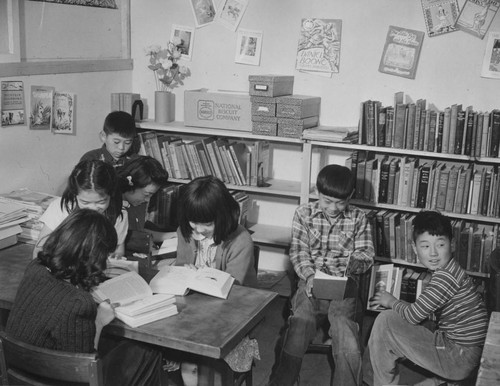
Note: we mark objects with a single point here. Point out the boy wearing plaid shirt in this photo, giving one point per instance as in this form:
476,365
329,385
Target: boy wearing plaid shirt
327,235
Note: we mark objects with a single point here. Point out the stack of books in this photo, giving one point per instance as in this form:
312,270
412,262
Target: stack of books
331,134
32,205
11,214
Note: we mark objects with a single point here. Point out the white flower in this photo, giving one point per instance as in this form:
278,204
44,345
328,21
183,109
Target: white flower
177,40
153,50
165,63
183,70
176,54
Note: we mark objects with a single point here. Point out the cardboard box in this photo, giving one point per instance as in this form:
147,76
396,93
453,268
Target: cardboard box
262,125
271,85
297,106
293,128
216,109
263,106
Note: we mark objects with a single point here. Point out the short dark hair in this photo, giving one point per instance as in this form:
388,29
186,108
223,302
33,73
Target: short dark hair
93,175
121,123
78,248
433,222
207,199
335,181
140,172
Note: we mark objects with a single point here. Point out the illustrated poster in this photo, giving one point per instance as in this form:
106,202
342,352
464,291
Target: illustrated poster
476,16
12,103
41,107
491,61
401,52
440,16
319,46
63,114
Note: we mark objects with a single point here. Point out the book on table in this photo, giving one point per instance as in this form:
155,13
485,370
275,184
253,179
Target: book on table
176,280
328,287
135,303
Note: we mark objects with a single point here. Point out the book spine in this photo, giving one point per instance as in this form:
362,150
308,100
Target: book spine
431,142
459,132
422,187
410,127
440,132
389,123
446,130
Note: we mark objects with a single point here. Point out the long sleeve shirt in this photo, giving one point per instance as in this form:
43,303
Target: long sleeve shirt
321,243
459,309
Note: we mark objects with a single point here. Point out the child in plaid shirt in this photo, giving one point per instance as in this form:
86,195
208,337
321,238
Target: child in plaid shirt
334,237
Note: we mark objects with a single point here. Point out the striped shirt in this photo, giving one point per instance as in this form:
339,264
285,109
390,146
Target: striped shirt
321,243
459,309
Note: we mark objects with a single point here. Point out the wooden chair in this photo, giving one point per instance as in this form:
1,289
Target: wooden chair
321,344
22,363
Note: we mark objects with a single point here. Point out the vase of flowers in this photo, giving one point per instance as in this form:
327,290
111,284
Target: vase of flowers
168,74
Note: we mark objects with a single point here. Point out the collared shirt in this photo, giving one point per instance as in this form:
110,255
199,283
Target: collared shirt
452,297
318,243
205,252
102,154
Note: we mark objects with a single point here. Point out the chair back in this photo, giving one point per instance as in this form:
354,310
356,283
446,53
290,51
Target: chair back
256,254
23,363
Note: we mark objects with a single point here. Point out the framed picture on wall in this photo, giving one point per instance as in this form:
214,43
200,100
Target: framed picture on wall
63,120
491,60
186,35
203,11
248,47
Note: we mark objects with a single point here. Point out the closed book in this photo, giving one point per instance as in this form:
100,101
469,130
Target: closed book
380,280
212,160
409,169
394,220
369,120
451,188
423,185
432,190
468,131
368,179
389,125
424,126
476,182
467,189
387,234
412,287
239,152
465,245
453,127
380,239
422,282
485,140
485,196
415,184
474,262
459,132
328,287
404,284
418,117
399,126
410,127
442,187
446,130
495,133
440,132
391,183
384,180
431,142
478,134
381,127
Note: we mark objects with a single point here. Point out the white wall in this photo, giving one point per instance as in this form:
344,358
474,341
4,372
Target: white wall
448,71
37,159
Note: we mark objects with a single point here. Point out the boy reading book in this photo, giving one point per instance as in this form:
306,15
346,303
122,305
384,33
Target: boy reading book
326,235
454,349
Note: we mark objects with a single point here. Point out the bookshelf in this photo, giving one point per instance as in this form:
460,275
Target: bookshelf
276,189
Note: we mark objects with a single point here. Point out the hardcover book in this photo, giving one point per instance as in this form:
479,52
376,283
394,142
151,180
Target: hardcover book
440,16
476,16
401,52
134,301
175,280
328,287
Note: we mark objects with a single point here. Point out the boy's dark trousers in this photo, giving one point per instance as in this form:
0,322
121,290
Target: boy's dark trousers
306,315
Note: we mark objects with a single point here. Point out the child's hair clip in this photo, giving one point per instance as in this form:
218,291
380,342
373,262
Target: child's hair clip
129,178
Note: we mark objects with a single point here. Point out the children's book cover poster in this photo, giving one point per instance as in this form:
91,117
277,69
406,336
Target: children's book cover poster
491,60
476,16
204,12
231,12
319,46
12,103
248,47
440,16
63,113
41,107
401,52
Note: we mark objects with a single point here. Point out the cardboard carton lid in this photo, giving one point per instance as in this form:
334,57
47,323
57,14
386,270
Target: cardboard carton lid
263,99
271,78
307,122
298,99
262,118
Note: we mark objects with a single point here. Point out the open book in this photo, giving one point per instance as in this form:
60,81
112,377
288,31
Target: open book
384,277
179,280
135,302
328,287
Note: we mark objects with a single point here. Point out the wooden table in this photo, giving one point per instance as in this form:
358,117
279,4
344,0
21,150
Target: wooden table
13,262
489,370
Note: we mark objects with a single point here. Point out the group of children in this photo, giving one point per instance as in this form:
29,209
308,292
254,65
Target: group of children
107,194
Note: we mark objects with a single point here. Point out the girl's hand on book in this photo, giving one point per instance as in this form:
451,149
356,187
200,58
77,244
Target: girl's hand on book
383,298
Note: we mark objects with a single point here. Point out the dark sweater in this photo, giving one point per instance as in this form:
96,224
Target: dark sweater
52,313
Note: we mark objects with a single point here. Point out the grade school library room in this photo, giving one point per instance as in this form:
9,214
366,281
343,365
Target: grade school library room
263,94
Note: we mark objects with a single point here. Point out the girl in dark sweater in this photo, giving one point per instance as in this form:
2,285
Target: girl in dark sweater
54,309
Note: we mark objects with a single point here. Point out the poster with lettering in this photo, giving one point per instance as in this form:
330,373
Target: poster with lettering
401,52
476,16
319,46
12,103
41,107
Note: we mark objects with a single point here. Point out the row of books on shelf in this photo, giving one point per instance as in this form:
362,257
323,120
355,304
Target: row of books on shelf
463,188
472,242
162,209
233,162
419,126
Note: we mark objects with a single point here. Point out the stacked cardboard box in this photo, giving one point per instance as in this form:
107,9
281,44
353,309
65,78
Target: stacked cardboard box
264,92
296,113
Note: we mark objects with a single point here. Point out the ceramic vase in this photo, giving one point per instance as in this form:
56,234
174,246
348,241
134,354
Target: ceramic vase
164,106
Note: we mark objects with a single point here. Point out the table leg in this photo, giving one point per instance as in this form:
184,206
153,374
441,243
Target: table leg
206,372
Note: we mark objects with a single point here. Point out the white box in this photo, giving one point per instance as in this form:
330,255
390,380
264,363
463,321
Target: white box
229,110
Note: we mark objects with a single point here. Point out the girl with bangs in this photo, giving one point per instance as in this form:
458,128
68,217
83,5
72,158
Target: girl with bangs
209,233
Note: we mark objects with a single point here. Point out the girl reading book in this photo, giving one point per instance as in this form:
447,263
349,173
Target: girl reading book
54,309
91,185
